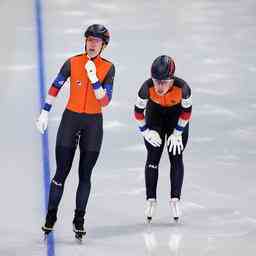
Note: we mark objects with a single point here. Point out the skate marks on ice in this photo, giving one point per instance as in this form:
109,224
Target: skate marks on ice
217,224
220,215
166,239
188,239
118,230
22,242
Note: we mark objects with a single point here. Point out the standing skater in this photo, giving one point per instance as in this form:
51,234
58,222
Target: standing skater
163,110
91,83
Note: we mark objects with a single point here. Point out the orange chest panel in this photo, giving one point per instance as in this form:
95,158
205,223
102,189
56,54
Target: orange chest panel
171,98
82,98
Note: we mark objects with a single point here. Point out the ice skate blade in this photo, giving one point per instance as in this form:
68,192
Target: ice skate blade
79,234
79,237
176,220
45,237
149,219
46,231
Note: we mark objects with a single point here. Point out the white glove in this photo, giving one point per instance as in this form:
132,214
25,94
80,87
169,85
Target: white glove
91,71
42,121
152,137
175,143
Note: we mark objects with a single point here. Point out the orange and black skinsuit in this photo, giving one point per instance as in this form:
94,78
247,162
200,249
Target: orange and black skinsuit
81,124
164,114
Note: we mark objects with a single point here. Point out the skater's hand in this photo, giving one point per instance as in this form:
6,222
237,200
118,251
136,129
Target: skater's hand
174,142
42,121
152,137
91,71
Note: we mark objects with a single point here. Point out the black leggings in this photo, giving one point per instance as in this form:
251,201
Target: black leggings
176,168
85,130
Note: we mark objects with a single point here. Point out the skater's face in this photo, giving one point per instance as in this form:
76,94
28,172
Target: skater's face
93,46
162,86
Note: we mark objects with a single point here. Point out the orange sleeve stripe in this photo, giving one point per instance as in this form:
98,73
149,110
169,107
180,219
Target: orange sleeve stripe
53,91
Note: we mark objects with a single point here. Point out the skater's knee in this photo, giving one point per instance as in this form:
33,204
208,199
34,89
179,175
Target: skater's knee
60,176
85,180
152,166
57,183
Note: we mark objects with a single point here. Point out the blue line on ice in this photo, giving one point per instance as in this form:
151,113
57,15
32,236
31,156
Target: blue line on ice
45,146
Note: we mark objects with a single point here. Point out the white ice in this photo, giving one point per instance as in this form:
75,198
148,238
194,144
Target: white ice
213,43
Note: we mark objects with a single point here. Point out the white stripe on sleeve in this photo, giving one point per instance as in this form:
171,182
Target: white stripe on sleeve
186,103
141,103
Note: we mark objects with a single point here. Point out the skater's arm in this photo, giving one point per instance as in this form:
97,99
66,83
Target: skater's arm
141,103
64,74
174,141
57,84
186,108
103,91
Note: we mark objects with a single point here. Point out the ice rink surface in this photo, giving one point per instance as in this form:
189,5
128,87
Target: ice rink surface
213,43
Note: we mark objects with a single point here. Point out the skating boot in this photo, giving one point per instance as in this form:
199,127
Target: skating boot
78,224
150,209
176,210
51,218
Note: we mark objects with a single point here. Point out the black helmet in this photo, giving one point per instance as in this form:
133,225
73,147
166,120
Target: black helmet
163,68
98,30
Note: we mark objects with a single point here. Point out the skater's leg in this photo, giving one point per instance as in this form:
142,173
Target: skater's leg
177,169
176,178
90,144
64,159
151,178
151,169
176,175
67,139
87,161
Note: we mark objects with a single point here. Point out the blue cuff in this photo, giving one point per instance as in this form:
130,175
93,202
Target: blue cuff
96,85
143,128
47,107
179,128
109,89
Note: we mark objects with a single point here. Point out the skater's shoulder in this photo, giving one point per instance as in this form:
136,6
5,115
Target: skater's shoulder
107,61
183,85
180,82
148,83
144,89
